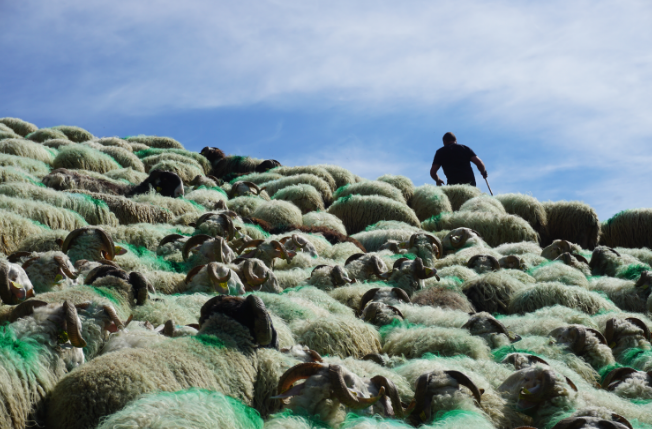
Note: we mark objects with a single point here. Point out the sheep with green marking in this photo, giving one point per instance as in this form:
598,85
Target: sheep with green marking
530,209
609,262
279,214
128,211
357,212
628,295
308,179
304,196
429,201
380,188
28,149
82,157
46,214
483,203
320,172
14,174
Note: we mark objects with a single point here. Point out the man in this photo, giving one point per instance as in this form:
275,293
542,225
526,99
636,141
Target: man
456,160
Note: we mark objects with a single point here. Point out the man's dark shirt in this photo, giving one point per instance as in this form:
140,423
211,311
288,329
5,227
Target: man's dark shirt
455,159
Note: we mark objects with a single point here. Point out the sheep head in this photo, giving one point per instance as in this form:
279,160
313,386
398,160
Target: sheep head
15,286
512,262
250,312
337,275
532,386
386,295
601,258
460,238
621,375
210,249
644,284
557,248
266,251
587,422
221,278
254,274
368,265
212,154
380,314
431,385
166,183
483,264
54,269
425,246
302,353
484,323
266,165
628,332
140,286
573,260
240,189
218,224
574,337
104,248
296,243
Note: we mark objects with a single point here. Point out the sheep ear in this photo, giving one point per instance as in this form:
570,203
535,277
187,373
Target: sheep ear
120,250
59,242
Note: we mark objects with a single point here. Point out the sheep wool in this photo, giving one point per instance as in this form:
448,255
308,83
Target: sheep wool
28,149
429,201
31,166
46,214
152,159
402,183
357,212
339,336
555,293
629,228
81,157
176,206
322,173
342,176
185,171
382,189
459,194
13,174
558,271
573,221
20,127
530,209
279,213
245,205
130,175
309,179
483,203
324,219
156,142
45,134
304,196
114,141
74,134
128,211
258,178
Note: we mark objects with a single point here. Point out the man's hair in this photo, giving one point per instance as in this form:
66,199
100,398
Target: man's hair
449,138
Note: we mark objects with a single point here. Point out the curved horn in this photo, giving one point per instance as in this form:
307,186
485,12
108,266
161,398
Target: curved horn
5,292
251,278
252,185
252,243
230,229
622,420
378,270
345,396
28,263
413,238
398,263
25,309
464,380
316,357
317,268
298,372
420,269
281,248
436,242
170,239
392,392
639,323
72,325
401,295
263,327
64,267
543,393
375,357
169,328
579,344
201,219
141,285
192,273
339,276
368,296
511,358
217,281
113,316
598,335
15,257
396,311
353,257
618,375
421,410
192,242
609,332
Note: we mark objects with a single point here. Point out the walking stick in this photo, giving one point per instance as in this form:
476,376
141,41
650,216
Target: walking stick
492,194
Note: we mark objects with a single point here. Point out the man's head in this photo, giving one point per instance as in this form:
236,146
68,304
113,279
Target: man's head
449,138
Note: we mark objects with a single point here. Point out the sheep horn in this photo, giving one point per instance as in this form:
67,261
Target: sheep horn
301,371
412,239
396,311
192,242
543,393
339,276
230,229
378,270
28,263
580,258
392,392
251,277
263,328
511,261
639,323
15,257
141,286
622,420
218,281
343,394
437,242
113,316
107,241
398,263
5,292
169,328
317,268
203,218
375,357
220,205
421,411
353,257
252,185
609,333
531,359
192,273
170,239
579,344
281,248
421,271
64,267
252,243
368,296
401,295
464,380
103,271
494,263
618,375
25,309
220,243
72,325
316,357
598,335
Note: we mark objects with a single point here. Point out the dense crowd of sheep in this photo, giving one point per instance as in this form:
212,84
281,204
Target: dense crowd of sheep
147,286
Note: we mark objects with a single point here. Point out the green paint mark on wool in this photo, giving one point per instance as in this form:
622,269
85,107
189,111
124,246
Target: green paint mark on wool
39,224
194,204
410,256
396,323
607,369
27,349
614,217
501,352
633,272
209,340
105,293
634,354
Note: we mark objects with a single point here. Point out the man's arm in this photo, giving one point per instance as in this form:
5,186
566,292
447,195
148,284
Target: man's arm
478,162
434,175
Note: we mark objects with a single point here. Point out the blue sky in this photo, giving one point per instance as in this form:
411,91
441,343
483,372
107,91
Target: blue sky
554,96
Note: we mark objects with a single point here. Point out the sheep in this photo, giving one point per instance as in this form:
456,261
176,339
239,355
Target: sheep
278,213
122,156
199,158
558,271
626,229
304,196
483,203
626,294
459,194
15,285
74,134
494,229
629,383
209,198
90,243
7,133
588,343
629,339
223,357
44,134
429,201
443,298
492,292
149,160
320,172
342,176
128,211
34,351
176,206
324,219
357,212
365,267
607,261
57,143
491,330
592,422
245,206
186,172
93,211
156,142
530,209
12,175
482,264
256,276
191,408
217,223
46,214
402,183
259,178
20,127
14,229
228,167
31,166
573,221
28,149
214,277
553,293
409,275
210,250
327,278
84,158
382,189
114,141
308,179
138,147
49,271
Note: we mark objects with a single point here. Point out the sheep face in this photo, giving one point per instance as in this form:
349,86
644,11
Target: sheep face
460,238
512,262
256,276
442,390
166,183
51,270
241,189
214,277
296,244
380,314
326,277
629,383
531,387
427,247
90,243
209,250
15,286
495,333
409,275
631,332
217,224
557,248
366,267
590,423
482,264
267,251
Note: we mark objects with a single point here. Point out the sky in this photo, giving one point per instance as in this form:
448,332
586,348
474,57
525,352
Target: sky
555,97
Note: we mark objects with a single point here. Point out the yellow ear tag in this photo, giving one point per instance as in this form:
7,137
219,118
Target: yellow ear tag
428,271
158,189
645,287
224,286
527,392
612,345
120,250
62,337
423,416
58,278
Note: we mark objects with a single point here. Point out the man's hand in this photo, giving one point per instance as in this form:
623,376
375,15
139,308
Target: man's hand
484,174
439,182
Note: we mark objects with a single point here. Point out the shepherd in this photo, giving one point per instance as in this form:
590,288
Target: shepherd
456,161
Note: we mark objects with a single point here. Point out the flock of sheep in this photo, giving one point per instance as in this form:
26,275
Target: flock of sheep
147,286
